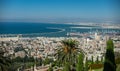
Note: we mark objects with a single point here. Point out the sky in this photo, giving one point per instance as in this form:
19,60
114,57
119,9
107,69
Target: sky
58,9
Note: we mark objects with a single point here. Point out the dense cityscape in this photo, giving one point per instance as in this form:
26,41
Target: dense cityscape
59,35
43,50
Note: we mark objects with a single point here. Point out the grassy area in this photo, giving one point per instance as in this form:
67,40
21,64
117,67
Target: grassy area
101,69
118,68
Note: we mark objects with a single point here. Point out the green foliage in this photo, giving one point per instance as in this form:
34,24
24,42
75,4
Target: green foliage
68,52
55,63
110,45
70,43
47,61
117,60
18,59
25,59
80,63
5,62
118,67
50,69
102,59
92,60
39,62
86,64
97,60
29,64
109,64
67,67
14,67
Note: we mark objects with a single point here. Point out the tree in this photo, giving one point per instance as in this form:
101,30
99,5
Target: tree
4,61
102,59
67,53
109,64
47,61
80,63
92,60
67,67
39,62
97,60
86,64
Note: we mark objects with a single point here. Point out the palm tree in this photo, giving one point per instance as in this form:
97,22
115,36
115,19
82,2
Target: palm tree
68,53
4,61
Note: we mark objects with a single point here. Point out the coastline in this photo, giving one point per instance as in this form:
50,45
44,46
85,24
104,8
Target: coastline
53,30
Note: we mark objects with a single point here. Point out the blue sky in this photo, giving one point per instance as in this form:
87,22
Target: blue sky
38,9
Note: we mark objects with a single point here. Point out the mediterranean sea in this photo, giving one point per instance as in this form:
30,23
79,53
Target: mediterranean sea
46,29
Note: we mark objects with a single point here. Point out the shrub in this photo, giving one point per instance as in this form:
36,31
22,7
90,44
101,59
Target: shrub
96,66
117,60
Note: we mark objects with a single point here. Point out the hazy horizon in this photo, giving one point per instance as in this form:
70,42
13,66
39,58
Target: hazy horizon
60,11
